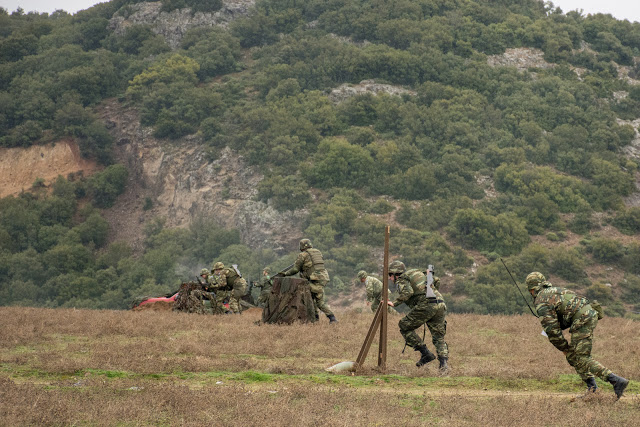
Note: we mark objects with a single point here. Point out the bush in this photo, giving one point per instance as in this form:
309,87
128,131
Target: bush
568,264
106,186
628,221
606,250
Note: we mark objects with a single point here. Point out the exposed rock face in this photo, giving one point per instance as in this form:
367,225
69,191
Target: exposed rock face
184,185
633,152
173,25
346,91
40,161
522,58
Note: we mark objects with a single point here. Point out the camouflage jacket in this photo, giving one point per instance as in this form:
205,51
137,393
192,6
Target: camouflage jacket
373,287
310,264
557,308
224,280
265,284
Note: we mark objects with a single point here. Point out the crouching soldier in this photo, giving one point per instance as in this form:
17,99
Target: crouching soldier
231,282
373,288
412,286
561,308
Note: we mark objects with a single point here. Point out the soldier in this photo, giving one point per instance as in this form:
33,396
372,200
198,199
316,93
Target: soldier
310,264
432,311
230,283
222,291
560,309
373,288
265,284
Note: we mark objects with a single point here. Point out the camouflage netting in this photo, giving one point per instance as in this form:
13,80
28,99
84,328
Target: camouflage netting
190,298
290,300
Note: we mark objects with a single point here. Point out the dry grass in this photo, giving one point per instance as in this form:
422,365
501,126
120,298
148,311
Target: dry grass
147,368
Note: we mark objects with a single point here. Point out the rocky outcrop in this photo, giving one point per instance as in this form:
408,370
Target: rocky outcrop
346,91
522,58
173,25
182,185
40,162
632,151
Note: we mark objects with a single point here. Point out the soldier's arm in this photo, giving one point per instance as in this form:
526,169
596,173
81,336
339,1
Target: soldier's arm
551,326
297,266
405,291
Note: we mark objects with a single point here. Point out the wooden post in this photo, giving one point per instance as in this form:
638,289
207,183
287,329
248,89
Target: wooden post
380,319
382,353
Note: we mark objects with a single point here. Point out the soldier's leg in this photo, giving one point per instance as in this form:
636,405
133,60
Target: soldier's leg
415,318
234,305
579,354
318,298
438,327
374,304
317,292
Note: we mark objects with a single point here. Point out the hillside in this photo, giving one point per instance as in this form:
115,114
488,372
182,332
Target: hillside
228,130
107,367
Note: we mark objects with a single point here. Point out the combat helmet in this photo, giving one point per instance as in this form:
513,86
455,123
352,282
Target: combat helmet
204,271
535,281
266,270
305,244
397,267
362,274
217,266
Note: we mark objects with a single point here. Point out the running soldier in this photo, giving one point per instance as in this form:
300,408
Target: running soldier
559,309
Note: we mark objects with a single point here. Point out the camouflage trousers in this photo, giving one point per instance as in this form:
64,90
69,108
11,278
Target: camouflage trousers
317,293
221,296
579,354
239,290
376,302
433,314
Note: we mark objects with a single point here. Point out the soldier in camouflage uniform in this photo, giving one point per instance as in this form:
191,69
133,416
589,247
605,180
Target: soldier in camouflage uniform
310,264
265,284
229,281
222,292
373,287
559,309
432,311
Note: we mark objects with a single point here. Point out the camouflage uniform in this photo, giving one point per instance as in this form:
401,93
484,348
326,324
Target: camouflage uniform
373,288
432,311
559,309
232,286
265,285
310,264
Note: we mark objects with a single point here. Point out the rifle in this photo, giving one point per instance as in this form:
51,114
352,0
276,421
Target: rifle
429,288
281,273
516,283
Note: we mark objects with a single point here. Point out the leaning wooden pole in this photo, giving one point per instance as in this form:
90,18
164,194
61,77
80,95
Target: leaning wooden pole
380,318
382,353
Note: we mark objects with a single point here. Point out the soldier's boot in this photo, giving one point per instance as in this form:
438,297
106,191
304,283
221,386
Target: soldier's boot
332,318
427,356
618,383
591,384
444,366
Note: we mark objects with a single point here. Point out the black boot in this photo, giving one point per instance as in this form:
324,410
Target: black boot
444,367
618,383
591,384
427,356
332,318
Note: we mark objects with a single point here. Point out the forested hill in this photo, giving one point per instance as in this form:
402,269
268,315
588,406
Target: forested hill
476,129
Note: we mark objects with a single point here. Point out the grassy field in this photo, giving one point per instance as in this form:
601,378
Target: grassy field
81,367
